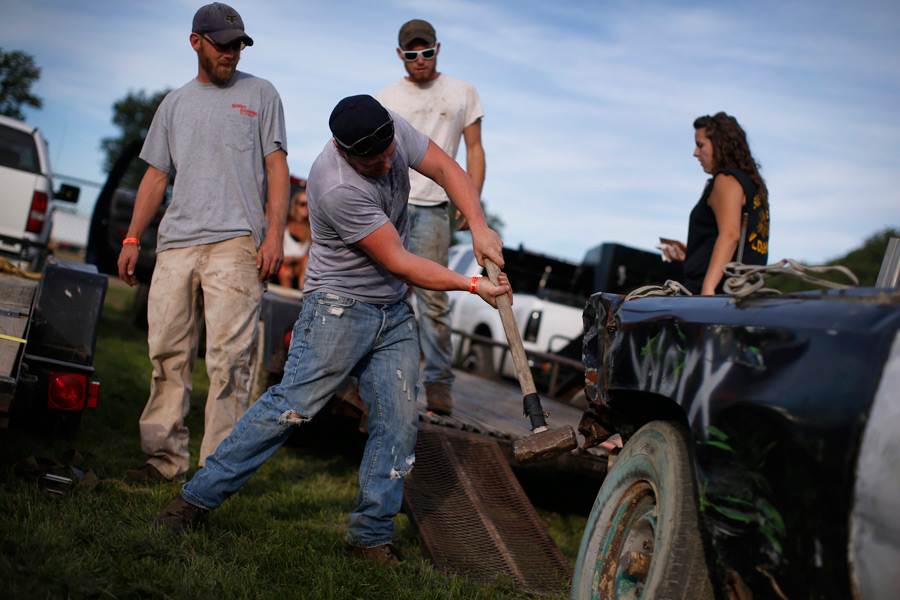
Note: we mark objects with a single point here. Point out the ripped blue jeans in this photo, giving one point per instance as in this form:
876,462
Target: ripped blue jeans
334,337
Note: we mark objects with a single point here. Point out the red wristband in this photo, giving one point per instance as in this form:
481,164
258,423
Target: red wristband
134,241
474,285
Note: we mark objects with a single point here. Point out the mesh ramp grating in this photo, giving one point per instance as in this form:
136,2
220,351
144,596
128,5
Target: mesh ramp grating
472,517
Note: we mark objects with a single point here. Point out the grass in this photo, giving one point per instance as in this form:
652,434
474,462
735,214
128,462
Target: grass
280,537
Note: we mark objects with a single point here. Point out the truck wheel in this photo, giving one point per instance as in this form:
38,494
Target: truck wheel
479,360
642,538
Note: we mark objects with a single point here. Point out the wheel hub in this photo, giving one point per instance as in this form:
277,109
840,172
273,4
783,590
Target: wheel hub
624,566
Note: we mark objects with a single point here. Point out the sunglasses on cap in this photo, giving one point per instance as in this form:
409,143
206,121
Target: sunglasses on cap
223,48
413,55
363,145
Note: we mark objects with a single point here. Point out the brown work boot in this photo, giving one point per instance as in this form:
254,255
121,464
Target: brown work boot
438,399
383,555
180,515
146,473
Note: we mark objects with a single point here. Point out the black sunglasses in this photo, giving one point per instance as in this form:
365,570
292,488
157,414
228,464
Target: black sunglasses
363,145
413,55
236,46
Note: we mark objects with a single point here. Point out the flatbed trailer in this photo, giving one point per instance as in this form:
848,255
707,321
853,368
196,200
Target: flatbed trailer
16,298
487,406
493,408
48,331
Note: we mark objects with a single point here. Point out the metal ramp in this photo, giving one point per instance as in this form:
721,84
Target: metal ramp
472,517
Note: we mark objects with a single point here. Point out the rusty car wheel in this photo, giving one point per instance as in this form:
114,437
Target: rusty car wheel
642,539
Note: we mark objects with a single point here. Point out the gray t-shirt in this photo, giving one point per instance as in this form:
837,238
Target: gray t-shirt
216,139
345,207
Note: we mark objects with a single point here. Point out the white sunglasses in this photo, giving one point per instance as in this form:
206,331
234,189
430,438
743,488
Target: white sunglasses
413,55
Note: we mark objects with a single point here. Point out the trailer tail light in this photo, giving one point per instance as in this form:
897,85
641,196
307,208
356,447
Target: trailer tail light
532,326
287,339
38,213
93,394
67,391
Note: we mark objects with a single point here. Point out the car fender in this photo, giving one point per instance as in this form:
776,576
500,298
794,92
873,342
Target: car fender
776,393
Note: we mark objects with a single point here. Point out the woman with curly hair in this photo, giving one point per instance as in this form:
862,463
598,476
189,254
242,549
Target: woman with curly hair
735,200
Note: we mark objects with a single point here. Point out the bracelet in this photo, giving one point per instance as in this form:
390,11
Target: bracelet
135,241
474,285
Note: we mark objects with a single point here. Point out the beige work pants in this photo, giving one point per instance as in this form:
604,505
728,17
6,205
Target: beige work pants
221,283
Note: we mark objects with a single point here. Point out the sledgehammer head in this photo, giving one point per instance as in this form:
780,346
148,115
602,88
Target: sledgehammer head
545,445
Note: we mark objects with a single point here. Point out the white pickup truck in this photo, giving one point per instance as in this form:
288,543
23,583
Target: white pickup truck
48,323
26,192
547,305
549,296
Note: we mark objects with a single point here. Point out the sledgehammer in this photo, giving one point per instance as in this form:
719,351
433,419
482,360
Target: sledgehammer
543,443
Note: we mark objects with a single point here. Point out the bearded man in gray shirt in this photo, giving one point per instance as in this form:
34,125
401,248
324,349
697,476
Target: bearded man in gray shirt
223,134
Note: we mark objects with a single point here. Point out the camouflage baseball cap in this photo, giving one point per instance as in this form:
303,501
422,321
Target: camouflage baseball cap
417,29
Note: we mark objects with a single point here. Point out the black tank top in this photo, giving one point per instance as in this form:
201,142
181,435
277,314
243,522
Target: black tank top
703,231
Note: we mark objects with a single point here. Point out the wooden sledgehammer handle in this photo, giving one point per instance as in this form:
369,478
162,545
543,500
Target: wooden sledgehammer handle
523,371
543,443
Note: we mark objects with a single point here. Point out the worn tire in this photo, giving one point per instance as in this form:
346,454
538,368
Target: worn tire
479,360
642,539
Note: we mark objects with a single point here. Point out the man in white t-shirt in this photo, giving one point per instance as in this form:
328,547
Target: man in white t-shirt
445,109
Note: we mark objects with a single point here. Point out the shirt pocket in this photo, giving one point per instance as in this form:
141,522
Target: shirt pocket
239,133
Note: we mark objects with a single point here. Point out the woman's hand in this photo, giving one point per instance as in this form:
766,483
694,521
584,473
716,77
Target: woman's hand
672,249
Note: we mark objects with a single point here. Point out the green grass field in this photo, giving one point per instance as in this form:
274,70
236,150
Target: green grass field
280,537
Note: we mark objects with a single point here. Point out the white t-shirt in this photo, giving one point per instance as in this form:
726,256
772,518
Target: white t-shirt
294,248
440,109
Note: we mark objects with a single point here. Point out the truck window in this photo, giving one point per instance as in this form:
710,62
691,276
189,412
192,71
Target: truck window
17,150
462,266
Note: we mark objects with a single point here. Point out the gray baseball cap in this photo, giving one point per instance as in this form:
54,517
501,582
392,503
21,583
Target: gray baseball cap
221,23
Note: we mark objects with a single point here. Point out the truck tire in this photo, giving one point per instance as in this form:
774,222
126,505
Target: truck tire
642,539
480,360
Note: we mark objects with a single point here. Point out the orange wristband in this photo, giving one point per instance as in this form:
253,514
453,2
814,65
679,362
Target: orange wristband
135,241
474,285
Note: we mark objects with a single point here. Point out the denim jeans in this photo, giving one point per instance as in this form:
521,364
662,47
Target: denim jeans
334,337
429,237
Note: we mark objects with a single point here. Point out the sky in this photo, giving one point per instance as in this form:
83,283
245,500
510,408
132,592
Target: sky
589,105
